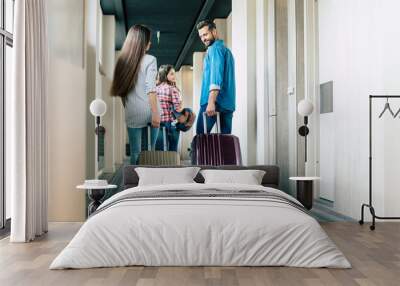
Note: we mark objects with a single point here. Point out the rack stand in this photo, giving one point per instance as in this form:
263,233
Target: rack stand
369,205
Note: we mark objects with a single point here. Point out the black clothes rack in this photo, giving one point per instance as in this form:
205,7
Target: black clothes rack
369,205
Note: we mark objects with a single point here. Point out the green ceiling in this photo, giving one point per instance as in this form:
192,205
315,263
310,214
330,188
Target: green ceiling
175,19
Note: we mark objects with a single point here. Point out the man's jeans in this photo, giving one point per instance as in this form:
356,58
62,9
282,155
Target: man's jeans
138,141
225,118
172,137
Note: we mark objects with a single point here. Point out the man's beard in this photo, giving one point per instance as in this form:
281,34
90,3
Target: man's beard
210,42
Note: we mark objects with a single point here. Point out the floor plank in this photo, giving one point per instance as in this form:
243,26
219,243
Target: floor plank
374,255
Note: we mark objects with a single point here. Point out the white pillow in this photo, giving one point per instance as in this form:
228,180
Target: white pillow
248,177
166,176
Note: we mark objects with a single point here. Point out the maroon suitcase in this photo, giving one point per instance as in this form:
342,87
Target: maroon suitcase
215,149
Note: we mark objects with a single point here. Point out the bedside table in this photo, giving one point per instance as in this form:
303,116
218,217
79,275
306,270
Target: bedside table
304,190
95,194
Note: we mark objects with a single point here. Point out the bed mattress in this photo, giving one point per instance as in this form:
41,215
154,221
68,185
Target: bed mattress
201,225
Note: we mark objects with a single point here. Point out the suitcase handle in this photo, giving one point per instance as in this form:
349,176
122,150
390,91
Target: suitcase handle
205,123
149,137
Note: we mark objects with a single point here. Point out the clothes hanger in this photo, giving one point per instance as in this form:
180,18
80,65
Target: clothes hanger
397,113
387,107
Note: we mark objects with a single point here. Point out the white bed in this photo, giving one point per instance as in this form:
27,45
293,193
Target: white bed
202,231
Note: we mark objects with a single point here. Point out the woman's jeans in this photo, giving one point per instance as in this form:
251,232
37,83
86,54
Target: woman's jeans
172,137
138,141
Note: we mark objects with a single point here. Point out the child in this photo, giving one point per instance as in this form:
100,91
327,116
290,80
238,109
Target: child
170,100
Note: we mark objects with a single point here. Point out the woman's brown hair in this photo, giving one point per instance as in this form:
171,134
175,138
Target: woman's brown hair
128,63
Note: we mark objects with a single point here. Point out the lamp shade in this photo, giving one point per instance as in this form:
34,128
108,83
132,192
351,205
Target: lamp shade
98,107
305,107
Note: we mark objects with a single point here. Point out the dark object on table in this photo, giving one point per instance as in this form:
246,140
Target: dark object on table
304,190
305,193
96,197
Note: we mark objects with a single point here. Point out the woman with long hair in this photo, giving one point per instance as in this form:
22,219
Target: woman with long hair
135,82
170,100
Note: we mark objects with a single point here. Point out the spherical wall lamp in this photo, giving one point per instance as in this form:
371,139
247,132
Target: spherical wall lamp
305,108
98,108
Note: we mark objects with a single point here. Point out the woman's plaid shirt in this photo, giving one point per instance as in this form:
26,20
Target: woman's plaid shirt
169,98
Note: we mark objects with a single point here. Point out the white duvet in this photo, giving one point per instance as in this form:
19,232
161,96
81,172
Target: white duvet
200,231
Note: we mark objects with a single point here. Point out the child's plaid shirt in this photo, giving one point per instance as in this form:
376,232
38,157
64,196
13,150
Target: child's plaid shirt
169,98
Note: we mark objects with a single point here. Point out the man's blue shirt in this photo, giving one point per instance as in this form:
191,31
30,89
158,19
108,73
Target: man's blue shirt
219,74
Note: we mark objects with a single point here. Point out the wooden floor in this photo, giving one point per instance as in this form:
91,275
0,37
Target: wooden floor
375,257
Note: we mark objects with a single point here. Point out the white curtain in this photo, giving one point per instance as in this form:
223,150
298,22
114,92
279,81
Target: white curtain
26,116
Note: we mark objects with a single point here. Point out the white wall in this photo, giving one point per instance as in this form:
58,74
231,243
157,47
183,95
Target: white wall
67,144
327,156
222,29
229,31
261,80
75,81
112,141
66,110
92,83
244,52
359,44
95,44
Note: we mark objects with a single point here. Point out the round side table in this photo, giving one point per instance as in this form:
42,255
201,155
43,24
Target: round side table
95,194
305,190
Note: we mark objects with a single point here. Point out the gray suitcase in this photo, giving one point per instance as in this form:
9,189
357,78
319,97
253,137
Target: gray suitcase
158,158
